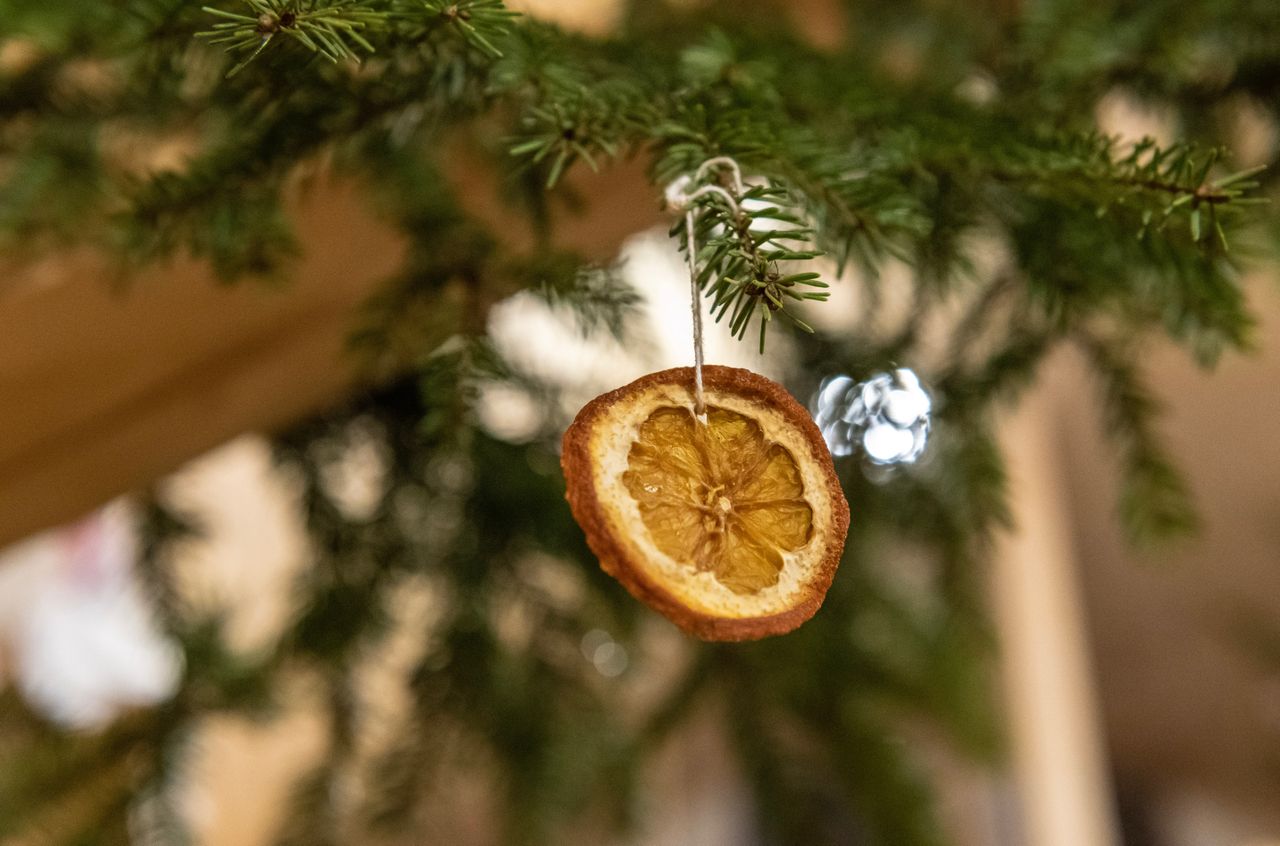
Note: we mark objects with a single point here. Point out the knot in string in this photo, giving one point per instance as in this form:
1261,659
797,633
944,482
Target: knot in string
681,196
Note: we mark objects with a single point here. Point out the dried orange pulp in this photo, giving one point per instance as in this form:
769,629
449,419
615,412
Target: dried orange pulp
718,494
731,525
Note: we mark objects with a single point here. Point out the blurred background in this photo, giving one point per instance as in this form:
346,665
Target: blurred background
1077,689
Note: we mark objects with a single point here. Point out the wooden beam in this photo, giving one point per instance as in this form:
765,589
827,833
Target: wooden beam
1055,729
103,390
106,389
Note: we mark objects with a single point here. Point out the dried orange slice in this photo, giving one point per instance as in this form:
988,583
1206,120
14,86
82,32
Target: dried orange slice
730,526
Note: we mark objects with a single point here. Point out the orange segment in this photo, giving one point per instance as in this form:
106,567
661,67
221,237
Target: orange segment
718,495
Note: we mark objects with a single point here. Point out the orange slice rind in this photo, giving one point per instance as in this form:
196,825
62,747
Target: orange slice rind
732,526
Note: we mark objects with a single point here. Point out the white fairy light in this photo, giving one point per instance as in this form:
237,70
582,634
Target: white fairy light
887,416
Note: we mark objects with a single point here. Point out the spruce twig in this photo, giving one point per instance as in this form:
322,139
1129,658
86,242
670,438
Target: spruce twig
1155,503
330,28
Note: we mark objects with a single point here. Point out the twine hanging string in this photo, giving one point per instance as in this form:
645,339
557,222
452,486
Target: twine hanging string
681,195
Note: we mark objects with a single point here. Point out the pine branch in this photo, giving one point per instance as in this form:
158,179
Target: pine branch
1154,501
329,28
862,209
159,528
583,125
318,816
978,316
598,298
1001,377
240,229
482,23
156,812
1155,182
742,258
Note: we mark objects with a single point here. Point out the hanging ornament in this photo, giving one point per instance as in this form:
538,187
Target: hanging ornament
708,491
887,417
730,523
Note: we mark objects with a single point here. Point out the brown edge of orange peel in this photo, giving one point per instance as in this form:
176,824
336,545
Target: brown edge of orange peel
575,460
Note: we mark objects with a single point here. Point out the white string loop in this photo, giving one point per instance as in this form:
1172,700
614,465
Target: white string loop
680,198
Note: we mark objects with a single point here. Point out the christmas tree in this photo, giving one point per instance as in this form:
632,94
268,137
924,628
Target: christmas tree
957,143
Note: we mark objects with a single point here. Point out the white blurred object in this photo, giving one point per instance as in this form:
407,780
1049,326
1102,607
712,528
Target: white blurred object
509,412
84,643
888,416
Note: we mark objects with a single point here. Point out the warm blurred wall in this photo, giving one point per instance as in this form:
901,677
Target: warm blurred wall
108,386
1191,695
